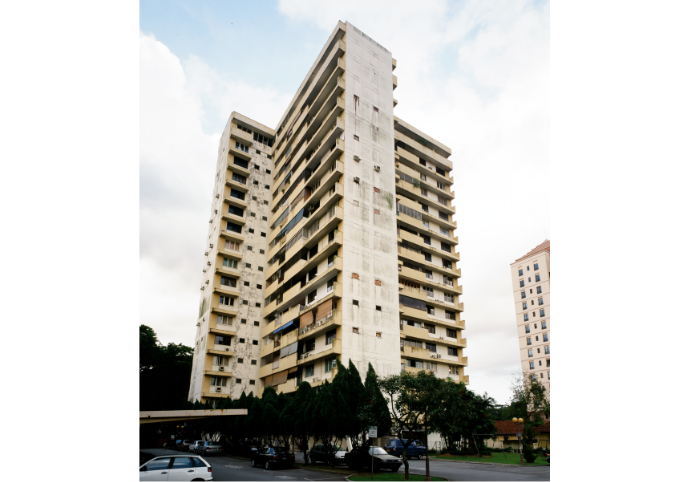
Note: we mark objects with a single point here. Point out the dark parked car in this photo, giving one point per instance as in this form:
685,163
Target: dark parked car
415,449
209,447
380,458
270,457
184,445
319,454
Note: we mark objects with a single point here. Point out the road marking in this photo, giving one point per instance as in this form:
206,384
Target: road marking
233,466
284,477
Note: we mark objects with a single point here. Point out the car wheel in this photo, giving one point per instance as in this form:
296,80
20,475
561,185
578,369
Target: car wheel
267,465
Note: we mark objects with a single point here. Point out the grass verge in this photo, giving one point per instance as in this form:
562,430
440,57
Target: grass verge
497,458
380,476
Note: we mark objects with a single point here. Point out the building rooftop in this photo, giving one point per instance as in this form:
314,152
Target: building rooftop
507,427
544,246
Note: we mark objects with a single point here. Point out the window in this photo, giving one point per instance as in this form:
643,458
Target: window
256,323
526,317
450,315
252,382
523,294
223,340
238,380
329,364
535,266
267,187
250,248
330,336
379,308
259,286
226,300
430,310
540,301
251,230
451,333
224,320
356,138
541,373
236,211
547,350
545,337
263,235
243,321
240,360
527,329
426,239
445,247
235,228
524,305
260,268
229,263
538,350
221,360
538,278
543,325
258,305
268,170
431,347
542,313
245,302
238,178
528,341
538,290
547,362
521,272
355,302
530,353
241,340
355,330
521,283
253,362
241,147
530,291
379,334
246,283
265,202
255,342
531,365
159,464
451,351
262,251
424,208
308,370
454,370
529,279
218,381
536,337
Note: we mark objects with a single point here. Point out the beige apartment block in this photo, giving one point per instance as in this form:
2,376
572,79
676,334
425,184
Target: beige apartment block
330,237
606,328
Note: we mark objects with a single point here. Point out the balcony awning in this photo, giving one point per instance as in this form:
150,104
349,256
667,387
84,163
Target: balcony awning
286,325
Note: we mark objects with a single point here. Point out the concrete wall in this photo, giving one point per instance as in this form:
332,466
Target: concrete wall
369,216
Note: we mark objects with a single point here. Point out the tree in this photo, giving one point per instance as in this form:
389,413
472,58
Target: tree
164,372
530,401
375,411
330,418
296,417
414,400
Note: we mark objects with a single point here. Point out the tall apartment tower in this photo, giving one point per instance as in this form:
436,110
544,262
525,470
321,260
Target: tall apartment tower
331,237
606,328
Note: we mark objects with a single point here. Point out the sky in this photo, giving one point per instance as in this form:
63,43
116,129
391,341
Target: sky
472,74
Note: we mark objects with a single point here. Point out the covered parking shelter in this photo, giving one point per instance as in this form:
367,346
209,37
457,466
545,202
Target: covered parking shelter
156,427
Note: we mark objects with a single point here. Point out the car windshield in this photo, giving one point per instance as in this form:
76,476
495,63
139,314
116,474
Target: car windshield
281,449
213,443
377,451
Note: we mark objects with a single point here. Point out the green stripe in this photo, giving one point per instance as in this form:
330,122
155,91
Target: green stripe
622,426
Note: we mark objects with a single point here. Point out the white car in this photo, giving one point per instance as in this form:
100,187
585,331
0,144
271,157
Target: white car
173,467
196,446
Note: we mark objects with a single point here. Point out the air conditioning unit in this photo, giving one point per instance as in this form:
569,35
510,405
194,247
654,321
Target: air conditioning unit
442,337
206,253
209,222
203,287
357,158
204,270
227,349
216,211
217,196
211,245
356,179
315,379
376,168
207,281
218,389
209,263
198,324
222,369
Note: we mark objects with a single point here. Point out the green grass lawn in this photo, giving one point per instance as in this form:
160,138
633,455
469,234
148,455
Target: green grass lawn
379,476
497,458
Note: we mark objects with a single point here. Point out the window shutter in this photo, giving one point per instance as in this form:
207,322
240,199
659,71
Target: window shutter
306,319
324,309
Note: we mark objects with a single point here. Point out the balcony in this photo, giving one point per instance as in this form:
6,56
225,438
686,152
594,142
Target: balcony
238,153
223,393
417,225
405,159
222,331
421,295
237,185
234,272
235,166
243,137
290,386
423,278
418,257
230,253
225,309
417,240
227,290
233,217
231,235
417,353
394,82
418,198
419,315
332,320
334,349
227,352
234,201
423,152
303,266
333,66
213,373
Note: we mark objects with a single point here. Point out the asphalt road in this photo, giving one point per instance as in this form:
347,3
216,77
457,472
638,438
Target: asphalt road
227,468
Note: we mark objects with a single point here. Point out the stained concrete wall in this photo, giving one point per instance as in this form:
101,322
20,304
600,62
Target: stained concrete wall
370,251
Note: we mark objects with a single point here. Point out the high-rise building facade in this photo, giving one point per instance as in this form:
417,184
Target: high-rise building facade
606,329
331,237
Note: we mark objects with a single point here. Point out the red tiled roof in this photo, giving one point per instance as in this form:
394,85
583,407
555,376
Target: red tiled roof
507,427
544,246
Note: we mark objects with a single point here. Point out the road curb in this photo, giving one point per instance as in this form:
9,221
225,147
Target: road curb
365,474
485,463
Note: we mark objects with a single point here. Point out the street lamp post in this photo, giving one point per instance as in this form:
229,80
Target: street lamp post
519,437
